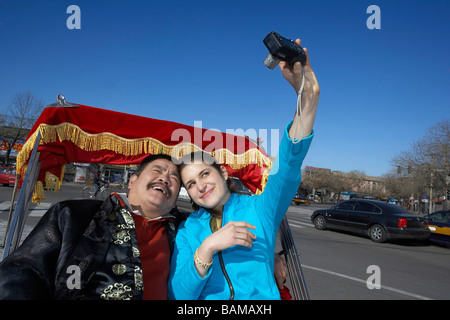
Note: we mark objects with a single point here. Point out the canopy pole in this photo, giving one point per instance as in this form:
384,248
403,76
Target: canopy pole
18,220
299,290
11,208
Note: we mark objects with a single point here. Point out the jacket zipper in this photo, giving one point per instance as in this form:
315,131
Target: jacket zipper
224,271
230,285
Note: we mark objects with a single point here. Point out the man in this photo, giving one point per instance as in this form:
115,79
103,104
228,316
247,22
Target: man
119,248
90,249
97,180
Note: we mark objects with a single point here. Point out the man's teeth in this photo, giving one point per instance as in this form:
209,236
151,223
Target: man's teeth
159,188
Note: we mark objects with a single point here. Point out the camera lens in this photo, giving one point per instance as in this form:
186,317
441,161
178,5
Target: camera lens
271,62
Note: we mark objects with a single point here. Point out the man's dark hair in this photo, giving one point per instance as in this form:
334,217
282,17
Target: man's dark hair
150,159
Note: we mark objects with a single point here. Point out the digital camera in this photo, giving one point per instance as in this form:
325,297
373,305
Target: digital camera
282,49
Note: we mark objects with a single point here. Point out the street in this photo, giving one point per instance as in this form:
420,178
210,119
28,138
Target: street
336,265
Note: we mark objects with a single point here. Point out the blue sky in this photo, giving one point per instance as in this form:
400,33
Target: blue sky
189,61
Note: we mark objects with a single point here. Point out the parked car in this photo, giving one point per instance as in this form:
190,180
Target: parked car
439,225
8,176
392,201
379,220
183,194
300,199
237,186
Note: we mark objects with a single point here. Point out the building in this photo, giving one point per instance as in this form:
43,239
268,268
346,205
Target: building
323,184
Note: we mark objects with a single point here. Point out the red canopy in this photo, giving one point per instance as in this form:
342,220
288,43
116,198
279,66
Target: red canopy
92,135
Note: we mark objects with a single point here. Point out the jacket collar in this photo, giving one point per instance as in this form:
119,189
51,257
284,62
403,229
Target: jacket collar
230,202
123,199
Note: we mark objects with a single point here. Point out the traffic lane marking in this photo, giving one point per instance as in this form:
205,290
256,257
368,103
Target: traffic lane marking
37,211
5,205
40,209
410,294
296,224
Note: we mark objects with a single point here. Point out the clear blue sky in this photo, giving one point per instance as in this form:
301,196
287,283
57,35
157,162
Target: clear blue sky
189,61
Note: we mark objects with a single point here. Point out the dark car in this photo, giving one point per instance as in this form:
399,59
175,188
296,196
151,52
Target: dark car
8,176
379,220
439,225
237,187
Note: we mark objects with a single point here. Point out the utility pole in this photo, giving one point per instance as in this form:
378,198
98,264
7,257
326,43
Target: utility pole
430,206
447,180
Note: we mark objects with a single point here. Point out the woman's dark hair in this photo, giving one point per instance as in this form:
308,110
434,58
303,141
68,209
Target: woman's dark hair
195,157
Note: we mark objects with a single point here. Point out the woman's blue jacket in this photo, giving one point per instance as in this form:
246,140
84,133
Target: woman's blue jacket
250,270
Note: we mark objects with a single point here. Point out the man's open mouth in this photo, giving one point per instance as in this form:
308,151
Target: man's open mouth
160,188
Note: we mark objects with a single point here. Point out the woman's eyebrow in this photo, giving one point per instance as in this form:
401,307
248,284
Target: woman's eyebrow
199,174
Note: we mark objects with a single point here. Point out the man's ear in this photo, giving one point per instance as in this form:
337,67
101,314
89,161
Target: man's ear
132,180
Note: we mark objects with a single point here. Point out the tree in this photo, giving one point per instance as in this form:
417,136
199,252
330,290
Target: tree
329,184
426,162
18,118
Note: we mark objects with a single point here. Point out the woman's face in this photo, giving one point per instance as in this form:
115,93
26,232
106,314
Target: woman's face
206,185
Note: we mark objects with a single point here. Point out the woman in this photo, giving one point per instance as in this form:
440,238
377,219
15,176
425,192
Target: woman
225,250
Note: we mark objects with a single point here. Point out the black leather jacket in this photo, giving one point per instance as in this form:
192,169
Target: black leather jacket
96,236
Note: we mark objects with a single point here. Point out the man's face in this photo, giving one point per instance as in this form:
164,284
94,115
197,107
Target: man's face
155,191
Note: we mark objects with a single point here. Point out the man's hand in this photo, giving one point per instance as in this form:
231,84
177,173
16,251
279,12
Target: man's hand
280,271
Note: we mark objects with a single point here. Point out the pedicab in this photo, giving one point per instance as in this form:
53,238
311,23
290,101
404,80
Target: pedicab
67,132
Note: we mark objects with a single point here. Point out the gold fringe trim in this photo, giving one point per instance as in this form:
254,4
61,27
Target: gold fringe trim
127,147
53,182
264,178
38,193
130,147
